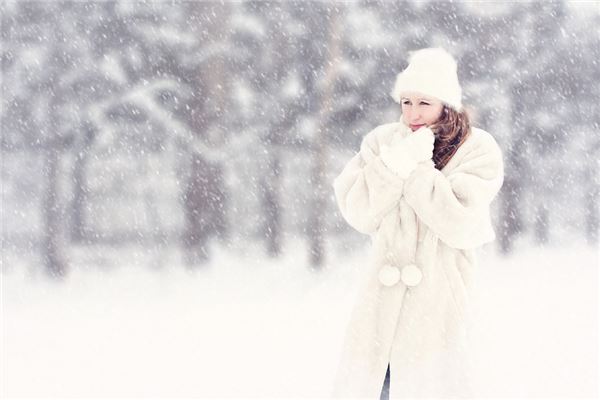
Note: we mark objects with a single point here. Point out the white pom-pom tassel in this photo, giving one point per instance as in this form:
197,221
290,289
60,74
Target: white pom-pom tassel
411,275
389,275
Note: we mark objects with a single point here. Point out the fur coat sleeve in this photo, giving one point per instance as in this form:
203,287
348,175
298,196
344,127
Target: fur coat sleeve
454,203
366,190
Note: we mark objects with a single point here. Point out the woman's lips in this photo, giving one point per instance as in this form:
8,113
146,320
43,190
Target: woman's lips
417,126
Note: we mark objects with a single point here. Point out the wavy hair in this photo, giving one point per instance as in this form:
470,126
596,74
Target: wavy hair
451,130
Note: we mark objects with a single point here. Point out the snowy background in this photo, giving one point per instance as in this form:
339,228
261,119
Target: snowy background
168,221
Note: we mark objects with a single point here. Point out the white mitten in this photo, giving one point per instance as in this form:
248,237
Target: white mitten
421,143
402,157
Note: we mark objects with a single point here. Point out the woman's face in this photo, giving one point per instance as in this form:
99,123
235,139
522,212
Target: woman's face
419,109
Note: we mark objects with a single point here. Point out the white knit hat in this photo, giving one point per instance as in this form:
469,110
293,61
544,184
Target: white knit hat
431,71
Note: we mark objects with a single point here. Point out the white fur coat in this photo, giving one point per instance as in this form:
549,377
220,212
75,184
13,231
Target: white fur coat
433,220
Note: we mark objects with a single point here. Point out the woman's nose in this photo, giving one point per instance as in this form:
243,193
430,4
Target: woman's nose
415,116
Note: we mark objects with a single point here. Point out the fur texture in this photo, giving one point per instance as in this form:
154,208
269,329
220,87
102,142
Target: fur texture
435,220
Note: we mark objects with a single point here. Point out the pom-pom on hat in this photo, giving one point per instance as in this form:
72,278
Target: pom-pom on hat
431,71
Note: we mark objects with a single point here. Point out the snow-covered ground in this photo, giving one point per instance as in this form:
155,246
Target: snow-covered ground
134,323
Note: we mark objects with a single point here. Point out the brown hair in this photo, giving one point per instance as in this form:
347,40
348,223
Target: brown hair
451,130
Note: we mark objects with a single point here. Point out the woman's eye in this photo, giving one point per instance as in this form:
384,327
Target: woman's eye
424,103
406,102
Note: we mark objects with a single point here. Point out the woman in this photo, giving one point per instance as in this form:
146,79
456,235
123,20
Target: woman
421,188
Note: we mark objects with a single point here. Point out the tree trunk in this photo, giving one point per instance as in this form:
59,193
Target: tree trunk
510,214
516,169
592,225
204,205
321,188
54,261
204,197
541,224
271,206
80,187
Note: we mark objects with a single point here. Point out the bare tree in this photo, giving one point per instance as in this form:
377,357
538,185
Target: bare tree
205,194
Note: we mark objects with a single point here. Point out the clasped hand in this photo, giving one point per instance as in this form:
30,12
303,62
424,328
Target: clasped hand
403,154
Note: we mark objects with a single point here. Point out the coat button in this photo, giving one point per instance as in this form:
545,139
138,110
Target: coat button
411,275
389,275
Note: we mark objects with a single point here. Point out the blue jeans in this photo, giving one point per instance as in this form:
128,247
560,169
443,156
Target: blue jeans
385,390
